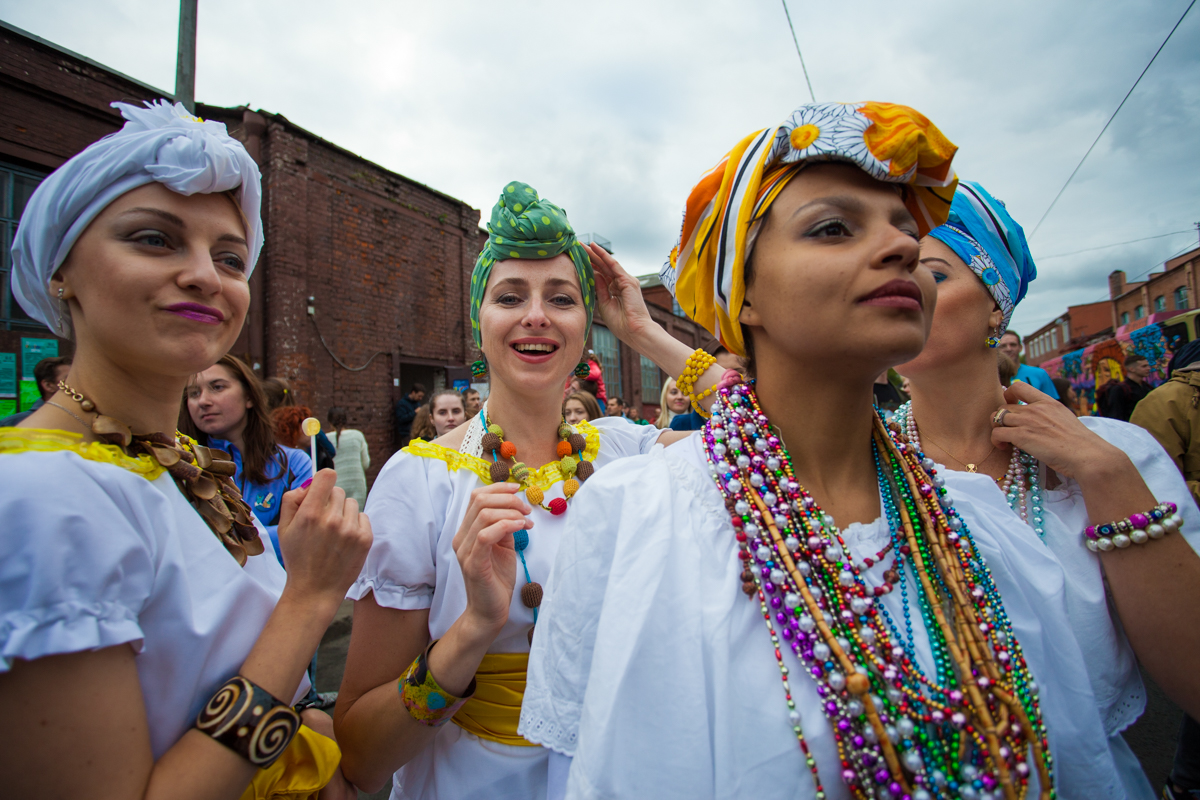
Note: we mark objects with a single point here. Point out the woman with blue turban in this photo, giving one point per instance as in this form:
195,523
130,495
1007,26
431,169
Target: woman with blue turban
1020,453
149,647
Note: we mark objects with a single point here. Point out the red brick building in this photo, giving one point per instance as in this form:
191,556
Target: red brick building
363,285
1075,329
1162,295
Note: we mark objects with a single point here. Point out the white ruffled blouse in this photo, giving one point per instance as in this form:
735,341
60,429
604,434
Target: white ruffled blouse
655,673
93,555
416,507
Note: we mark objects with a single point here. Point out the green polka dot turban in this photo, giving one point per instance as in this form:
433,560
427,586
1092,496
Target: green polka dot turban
525,226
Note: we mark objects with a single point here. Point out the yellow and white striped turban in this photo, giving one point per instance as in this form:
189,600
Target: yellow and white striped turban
724,211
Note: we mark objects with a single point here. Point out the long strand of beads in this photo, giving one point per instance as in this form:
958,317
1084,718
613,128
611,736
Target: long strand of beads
899,733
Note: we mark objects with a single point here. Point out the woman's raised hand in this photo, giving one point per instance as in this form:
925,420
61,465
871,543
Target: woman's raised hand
1050,432
323,537
619,297
484,546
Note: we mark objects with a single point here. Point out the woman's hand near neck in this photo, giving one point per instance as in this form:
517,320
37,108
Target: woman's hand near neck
145,402
831,460
953,407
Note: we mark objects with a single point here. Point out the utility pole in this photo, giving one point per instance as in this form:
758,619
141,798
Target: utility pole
185,65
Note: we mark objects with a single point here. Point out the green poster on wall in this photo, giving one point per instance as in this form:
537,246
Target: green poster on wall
8,408
33,351
29,394
8,375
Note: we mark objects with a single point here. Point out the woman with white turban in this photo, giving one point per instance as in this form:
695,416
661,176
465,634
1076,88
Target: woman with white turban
148,646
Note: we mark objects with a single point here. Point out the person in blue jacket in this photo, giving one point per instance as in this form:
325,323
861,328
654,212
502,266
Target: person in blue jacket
228,410
1038,378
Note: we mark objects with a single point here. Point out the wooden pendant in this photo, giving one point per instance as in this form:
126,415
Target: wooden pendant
531,595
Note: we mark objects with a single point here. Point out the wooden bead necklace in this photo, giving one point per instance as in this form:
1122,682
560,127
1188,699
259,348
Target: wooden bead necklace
574,468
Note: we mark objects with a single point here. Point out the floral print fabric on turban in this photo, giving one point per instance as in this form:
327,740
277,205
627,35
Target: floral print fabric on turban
990,242
724,211
525,226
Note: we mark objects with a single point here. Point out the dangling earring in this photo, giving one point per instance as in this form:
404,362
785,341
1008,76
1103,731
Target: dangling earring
582,370
479,369
60,293
994,341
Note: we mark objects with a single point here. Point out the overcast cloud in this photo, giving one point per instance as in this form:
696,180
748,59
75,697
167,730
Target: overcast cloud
614,109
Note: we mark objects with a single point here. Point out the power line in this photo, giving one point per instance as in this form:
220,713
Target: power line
797,41
1110,119
1162,263
1106,246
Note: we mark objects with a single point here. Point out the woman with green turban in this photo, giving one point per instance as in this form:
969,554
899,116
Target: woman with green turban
469,524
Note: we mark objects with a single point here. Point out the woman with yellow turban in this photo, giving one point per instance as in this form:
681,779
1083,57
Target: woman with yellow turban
789,603
467,525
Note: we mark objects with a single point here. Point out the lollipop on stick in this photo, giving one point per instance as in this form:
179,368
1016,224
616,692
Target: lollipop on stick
311,427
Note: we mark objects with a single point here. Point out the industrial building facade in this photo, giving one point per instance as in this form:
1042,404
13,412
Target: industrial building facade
362,288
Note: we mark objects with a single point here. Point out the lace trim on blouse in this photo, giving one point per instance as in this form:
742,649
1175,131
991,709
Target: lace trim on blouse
25,440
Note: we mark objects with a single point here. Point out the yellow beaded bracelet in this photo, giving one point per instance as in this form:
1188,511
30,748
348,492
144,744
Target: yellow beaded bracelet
695,367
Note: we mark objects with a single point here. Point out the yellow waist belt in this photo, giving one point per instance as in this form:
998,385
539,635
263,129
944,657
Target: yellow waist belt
494,710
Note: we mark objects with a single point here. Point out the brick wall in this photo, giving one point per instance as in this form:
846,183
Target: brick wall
52,105
387,260
387,263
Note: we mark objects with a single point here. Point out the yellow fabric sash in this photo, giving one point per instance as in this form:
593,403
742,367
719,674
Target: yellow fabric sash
307,764
494,710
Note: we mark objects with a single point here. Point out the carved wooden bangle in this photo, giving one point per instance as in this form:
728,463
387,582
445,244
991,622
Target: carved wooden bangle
249,721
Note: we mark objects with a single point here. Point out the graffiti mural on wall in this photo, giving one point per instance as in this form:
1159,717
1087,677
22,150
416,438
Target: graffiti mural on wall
1095,365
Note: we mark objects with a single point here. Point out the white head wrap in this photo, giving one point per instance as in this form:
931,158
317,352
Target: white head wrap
161,143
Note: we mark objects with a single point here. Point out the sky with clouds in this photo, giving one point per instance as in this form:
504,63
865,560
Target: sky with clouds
613,109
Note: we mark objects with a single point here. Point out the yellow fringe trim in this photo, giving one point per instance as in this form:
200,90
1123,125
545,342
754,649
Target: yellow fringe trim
26,440
543,477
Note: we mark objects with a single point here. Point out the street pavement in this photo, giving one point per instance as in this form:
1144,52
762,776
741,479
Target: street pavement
1152,737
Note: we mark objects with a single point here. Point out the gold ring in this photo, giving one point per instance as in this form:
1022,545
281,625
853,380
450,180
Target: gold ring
998,417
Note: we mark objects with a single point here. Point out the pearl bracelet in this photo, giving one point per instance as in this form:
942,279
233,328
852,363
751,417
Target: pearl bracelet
1136,529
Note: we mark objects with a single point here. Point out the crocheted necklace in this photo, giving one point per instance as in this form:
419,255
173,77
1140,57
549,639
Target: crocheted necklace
574,468
965,731
204,476
1021,483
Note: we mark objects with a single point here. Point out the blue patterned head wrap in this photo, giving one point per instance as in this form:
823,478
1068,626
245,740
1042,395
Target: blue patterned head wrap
991,243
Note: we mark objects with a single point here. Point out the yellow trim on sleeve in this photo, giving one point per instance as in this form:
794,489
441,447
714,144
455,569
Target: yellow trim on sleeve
41,440
543,477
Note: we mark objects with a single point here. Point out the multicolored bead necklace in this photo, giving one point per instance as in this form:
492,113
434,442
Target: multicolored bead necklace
963,732
1021,483
574,468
